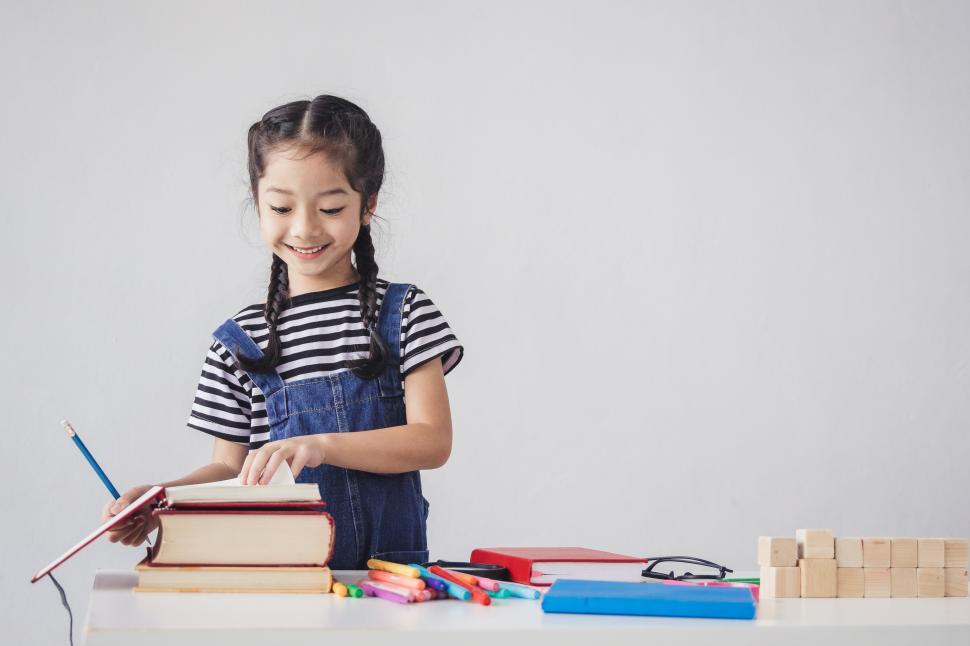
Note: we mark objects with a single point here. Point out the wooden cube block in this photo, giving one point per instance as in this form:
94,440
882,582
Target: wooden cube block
777,551
815,543
903,553
848,553
851,580
930,552
903,581
955,552
876,552
780,583
819,577
878,581
930,582
955,582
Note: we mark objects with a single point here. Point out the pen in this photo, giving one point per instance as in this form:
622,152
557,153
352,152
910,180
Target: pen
94,463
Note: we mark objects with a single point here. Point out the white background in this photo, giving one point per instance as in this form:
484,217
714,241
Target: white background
708,260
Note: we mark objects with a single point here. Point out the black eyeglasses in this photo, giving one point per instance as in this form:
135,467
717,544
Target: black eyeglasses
686,576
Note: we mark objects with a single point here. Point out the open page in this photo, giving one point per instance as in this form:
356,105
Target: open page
281,487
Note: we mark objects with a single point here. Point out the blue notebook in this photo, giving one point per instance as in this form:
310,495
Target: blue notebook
631,598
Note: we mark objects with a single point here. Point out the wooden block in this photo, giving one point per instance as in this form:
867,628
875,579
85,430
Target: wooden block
777,551
851,580
819,577
955,582
930,582
876,552
903,553
955,552
848,553
930,552
815,543
878,581
780,583
903,581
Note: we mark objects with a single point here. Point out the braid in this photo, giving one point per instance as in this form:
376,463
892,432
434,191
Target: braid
367,294
277,299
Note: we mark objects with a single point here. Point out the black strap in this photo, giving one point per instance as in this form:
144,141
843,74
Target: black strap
70,631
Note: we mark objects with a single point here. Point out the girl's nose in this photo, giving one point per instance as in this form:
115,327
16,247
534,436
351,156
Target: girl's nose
304,224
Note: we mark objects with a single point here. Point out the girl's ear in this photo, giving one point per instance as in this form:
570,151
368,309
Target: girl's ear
371,205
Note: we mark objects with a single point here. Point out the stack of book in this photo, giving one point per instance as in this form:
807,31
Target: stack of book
227,537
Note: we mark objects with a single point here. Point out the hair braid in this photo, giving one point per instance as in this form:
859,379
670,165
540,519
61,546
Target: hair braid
277,298
367,295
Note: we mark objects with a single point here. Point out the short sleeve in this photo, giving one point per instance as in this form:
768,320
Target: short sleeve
425,334
222,404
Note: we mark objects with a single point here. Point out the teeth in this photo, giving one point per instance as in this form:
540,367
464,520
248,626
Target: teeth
311,250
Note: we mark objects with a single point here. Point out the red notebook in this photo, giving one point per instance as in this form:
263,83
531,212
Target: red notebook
538,565
157,493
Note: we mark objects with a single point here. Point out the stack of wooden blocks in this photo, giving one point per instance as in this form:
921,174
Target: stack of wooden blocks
815,564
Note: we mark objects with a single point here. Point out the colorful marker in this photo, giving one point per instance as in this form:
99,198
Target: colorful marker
393,568
403,581
372,590
457,591
354,591
500,594
478,594
517,590
339,589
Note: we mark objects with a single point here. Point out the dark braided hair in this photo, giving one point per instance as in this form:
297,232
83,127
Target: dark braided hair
345,133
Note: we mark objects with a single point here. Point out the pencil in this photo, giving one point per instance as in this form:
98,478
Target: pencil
94,463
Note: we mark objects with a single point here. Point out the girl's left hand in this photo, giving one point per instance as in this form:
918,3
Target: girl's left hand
261,464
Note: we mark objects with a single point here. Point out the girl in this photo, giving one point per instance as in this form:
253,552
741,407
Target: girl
339,373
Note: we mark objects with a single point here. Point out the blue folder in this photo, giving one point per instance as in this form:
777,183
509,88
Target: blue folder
630,598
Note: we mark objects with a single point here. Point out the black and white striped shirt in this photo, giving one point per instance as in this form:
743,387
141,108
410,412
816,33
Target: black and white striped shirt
319,332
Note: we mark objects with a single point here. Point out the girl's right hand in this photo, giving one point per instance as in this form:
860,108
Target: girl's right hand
134,529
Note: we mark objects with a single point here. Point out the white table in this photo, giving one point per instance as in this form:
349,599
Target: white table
117,615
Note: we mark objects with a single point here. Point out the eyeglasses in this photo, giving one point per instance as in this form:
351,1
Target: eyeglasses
686,576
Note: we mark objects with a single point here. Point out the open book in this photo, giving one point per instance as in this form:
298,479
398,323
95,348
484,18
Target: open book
282,491
281,488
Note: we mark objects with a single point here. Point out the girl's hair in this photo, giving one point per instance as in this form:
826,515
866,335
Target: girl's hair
344,132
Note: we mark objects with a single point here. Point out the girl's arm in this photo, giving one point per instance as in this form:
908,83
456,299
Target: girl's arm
227,461
423,443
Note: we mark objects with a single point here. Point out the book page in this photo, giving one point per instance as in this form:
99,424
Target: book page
283,476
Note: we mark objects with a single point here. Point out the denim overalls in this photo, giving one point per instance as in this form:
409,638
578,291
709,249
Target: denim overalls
375,515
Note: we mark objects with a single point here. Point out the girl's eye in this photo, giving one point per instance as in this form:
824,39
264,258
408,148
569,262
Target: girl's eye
283,210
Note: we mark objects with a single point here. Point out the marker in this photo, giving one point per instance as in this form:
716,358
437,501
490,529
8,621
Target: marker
478,594
517,590
372,590
354,591
487,584
94,463
457,591
403,581
393,568
339,588
500,594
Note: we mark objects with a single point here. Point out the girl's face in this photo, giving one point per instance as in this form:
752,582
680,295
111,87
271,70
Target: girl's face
309,217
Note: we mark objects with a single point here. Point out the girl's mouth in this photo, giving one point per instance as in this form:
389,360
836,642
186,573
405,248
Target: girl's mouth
307,253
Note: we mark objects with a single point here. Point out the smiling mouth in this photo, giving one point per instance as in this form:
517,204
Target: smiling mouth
306,251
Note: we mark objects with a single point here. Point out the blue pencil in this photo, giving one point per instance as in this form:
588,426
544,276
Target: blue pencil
94,463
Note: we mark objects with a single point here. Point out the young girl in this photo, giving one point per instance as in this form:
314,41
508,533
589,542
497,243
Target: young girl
339,373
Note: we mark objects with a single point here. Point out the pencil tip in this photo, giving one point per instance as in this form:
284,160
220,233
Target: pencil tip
67,427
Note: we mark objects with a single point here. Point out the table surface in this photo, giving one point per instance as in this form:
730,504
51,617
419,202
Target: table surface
118,615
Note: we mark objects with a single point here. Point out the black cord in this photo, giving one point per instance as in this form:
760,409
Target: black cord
70,633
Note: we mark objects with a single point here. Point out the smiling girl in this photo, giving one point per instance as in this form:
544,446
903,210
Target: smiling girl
339,373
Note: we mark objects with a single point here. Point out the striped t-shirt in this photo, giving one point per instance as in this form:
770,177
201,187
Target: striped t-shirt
319,332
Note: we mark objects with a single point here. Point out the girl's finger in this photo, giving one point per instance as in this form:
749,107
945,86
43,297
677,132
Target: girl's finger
271,466
258,464
243,479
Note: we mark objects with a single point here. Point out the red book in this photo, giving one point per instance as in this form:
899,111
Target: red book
543,565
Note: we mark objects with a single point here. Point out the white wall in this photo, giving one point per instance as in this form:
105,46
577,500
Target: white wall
708,260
